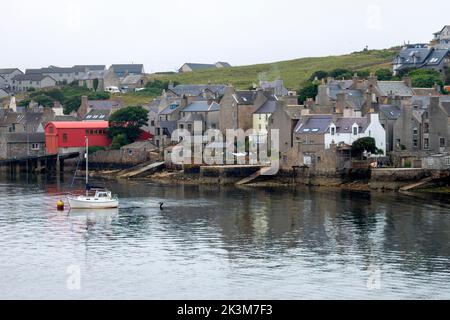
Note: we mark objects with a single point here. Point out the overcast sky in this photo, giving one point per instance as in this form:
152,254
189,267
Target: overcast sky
163,34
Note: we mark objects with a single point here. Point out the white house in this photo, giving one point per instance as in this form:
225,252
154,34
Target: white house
348,130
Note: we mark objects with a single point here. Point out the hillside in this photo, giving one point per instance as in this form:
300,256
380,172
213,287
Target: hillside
293,72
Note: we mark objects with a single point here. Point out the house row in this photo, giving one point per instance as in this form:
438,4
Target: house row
434,55
96,77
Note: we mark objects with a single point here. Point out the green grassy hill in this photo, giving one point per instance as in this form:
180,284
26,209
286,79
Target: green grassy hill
293,72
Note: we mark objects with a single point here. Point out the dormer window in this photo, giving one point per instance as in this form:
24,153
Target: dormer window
355,131
333,131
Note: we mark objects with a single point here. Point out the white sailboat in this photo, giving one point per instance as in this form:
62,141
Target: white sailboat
94,198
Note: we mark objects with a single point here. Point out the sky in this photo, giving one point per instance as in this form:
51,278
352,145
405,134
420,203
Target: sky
164,34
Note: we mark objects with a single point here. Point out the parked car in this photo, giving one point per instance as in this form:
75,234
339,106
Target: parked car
112,89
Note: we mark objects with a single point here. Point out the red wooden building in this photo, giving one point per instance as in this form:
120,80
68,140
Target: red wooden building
68,136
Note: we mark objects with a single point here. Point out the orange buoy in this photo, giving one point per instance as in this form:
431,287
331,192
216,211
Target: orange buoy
60,205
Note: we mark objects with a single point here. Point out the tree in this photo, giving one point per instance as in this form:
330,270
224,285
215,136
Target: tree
95,84
119,141
43,100
426,78
319,75
128,121
364,144
72,104
341,73
384,74
310,90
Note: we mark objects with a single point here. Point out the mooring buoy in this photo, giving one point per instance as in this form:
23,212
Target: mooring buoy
60,205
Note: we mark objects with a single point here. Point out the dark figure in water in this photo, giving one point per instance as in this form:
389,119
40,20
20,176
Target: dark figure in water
161,204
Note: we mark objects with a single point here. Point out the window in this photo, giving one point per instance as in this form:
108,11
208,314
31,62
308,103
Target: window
189,127
415,131
442,142
415,143
181,126
426,128
35,146
355,131
130,152
425,143
158,132
447,161
152,123
333,131
51,129
65,138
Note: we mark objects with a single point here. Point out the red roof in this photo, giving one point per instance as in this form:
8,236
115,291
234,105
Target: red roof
79,124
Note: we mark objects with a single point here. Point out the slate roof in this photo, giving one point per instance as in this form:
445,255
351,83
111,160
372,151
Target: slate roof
170,109
83,68
96,115
104,104
394,88
344,125
50,70
191,117
196,90
30,77
132,79
245,97
168,127
315,124
200,66
446,107
415,56
202,106
23,137
391,112
224,64
130,68
269,107
8,70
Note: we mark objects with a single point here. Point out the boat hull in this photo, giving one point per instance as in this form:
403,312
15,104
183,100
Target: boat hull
83,203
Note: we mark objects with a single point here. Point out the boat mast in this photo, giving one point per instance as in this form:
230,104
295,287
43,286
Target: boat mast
87,166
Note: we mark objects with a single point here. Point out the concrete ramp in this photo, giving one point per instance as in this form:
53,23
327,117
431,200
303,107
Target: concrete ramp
134,172
253,177
416,185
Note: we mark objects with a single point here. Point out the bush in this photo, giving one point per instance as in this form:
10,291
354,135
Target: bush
119,141
384,74
426,78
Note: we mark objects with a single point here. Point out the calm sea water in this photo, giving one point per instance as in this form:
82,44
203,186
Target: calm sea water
223,243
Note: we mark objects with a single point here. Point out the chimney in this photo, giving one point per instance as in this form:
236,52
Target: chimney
355,81
309,103
407,81
372,80
340,102
84,107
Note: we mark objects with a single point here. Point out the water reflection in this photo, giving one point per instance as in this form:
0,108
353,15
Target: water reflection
213,241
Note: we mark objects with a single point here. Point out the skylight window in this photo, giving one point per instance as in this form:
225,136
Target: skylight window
306,130
315,130
95,117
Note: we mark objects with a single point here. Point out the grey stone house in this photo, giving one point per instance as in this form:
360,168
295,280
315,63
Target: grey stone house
7,75
16,145
237,108
123,70
203,111
24,82
285,118
436,126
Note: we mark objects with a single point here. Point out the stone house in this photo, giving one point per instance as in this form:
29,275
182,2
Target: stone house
24,82
6,76
237,108
167,122
16,145
436,126
207,112
284,119
389,114
89,105
200,91
132,82
442,38
3,94
60,75
123,70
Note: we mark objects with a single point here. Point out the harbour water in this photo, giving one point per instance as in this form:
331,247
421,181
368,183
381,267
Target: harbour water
214,242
